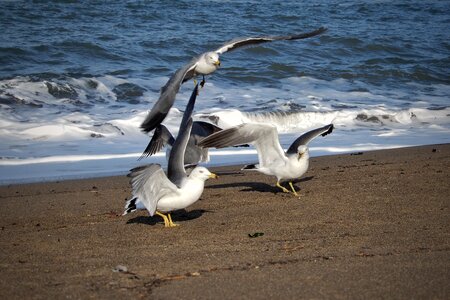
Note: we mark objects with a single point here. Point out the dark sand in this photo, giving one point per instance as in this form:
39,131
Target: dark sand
371,225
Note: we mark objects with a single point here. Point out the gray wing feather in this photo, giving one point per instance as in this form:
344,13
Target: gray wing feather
149,184
263,136
193,153
189,109
167,97
305,138
160,138
236,43
202,129
175,169
227,138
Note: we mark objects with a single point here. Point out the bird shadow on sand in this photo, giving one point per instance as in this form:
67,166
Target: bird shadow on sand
259,186
177,216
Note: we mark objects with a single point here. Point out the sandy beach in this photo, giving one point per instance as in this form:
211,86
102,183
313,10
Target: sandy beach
366,225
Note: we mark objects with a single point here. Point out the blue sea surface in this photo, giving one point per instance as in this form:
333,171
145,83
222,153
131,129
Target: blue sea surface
78,77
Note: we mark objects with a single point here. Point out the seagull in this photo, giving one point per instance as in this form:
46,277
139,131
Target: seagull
159,193
205,64
193,154
272,159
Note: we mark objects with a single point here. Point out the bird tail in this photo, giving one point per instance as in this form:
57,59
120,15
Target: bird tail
250,167
130,206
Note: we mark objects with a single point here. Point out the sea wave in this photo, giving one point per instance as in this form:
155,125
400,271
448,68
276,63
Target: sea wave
348,118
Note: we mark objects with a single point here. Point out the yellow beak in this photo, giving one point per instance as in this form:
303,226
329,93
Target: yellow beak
212,175
217,63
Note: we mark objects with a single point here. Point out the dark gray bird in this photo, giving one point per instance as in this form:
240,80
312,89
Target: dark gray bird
159,193
272,159
205,64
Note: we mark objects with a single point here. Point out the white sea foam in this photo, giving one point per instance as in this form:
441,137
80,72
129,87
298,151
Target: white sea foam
41,129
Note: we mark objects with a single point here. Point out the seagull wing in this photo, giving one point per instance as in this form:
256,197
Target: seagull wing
202,129
195,154
149,184
236,43
160,138
263,136
305,138
175,168
167,97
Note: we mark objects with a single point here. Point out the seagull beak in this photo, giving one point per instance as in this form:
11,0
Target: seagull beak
300,155
212,175
217,63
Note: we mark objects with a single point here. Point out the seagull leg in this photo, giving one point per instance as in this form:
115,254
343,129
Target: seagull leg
195,82
166,220
282,187
202,83
293,189
171,224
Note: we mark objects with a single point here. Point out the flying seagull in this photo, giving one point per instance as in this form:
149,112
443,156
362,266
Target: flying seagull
205,64
272,159
159,193
193,154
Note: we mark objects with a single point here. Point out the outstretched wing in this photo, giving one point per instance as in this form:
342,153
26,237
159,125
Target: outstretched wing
236,43
175,169
263,136
305,138
149,184
167,97
160,138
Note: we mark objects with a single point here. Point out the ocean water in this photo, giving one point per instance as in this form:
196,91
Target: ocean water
78,77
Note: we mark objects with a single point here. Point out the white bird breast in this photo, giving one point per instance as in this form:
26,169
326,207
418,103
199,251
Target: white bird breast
204,67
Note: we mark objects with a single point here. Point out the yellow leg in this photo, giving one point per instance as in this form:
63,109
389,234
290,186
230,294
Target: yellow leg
282,187
172,224
195,82
292,187
166,220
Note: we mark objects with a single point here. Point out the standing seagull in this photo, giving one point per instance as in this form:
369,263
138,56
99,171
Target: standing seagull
272,159
160,194
203,65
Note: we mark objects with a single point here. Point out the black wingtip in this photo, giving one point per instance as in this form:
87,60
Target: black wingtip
130,206
147,151
242,146
330,130
322,30
143,155
316,32
155,143
310,34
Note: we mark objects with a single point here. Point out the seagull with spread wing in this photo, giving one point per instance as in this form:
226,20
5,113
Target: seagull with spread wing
272,159
159,193
205,64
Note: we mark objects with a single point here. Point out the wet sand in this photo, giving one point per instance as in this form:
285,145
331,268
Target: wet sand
366,225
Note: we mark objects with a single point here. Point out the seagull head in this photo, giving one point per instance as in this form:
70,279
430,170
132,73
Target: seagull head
302,150
202,173
213,58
